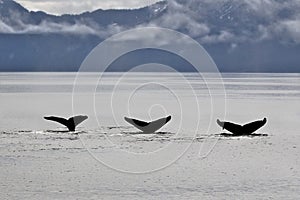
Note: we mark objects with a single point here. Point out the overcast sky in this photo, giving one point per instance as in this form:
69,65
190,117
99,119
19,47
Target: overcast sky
79,6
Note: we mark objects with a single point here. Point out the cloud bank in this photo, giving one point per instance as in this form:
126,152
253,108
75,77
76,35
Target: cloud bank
234,21
46,27
218,21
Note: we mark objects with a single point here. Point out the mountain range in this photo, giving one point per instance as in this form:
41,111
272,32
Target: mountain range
240,35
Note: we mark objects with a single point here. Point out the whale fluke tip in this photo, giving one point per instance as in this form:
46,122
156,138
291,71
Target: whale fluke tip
220,123
168,118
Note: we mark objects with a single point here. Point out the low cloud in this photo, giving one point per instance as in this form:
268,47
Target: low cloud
288,30
218,21
182,22
45,26
4,28
222,37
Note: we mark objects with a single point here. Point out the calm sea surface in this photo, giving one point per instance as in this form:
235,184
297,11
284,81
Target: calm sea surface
186,159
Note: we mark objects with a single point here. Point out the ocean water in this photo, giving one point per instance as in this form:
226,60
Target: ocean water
187,159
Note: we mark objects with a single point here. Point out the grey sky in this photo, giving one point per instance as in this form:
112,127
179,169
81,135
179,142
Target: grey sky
79,6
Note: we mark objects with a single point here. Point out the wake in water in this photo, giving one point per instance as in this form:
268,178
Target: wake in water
243,136
104,140
123,133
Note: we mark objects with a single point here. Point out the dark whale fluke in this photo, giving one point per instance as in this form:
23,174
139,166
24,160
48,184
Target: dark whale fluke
71,123
148,127
246,129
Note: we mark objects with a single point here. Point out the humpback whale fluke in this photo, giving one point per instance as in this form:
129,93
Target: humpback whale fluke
148,127
246,129
71,123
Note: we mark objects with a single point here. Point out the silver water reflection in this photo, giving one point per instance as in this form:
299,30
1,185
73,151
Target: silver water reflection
237,85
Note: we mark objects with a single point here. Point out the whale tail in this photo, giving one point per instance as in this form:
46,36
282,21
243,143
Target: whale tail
70,123
148,127
246,129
